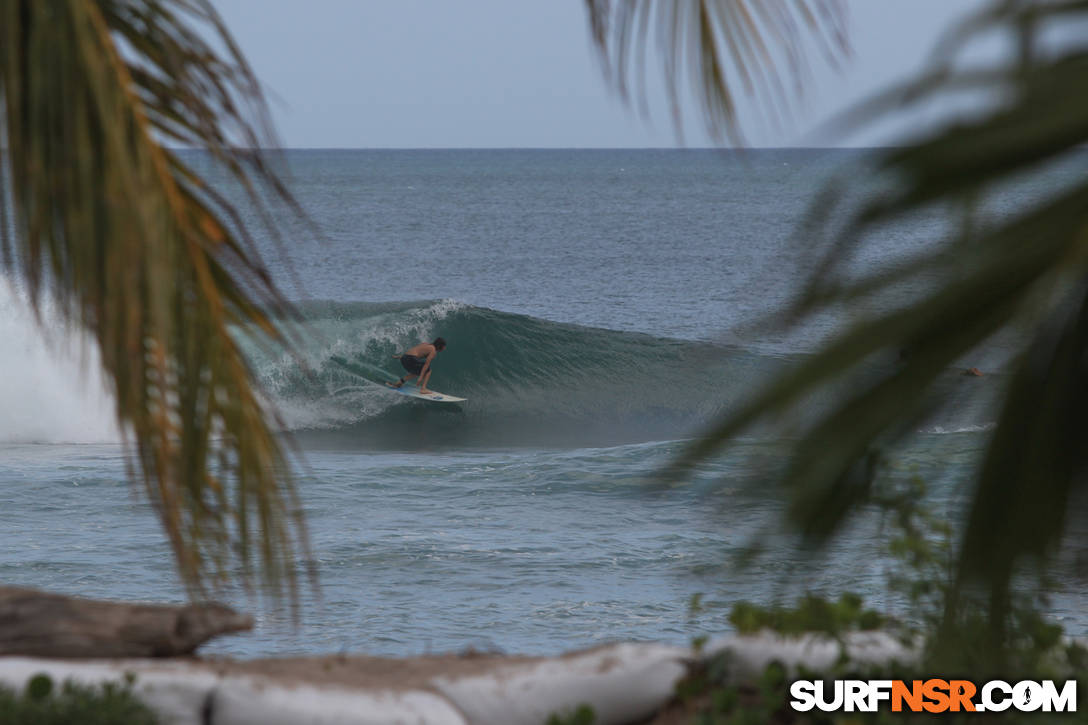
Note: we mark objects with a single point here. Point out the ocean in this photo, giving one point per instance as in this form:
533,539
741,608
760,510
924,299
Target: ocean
597,306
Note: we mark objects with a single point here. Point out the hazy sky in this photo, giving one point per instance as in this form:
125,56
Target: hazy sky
513,73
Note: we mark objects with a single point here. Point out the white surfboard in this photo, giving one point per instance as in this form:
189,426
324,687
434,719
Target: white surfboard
412,391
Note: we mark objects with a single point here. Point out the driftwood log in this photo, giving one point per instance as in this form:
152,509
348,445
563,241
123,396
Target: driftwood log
39,624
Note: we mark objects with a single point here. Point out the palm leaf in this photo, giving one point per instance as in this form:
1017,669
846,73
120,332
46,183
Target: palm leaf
1025,267
138,250
711,46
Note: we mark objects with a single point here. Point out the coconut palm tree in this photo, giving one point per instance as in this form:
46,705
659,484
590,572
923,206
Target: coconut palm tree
102,220
1023,270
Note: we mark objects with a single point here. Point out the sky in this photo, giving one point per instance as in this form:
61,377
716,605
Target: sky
524,74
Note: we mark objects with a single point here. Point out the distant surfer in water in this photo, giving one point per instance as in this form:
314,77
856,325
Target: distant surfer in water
417,361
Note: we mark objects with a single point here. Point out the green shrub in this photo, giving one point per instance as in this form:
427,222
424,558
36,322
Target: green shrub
582,715
812,614
42,704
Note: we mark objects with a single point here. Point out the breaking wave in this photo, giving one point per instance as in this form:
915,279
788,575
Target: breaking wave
528,381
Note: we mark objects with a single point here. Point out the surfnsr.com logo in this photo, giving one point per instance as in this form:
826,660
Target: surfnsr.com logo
933,695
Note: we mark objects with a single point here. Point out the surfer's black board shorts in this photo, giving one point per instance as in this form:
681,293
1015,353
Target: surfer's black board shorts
413,364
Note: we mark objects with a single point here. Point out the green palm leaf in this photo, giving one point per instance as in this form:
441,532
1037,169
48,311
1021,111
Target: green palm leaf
710,47
138,250
1025,267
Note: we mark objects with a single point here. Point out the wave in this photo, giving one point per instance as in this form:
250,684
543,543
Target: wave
528,381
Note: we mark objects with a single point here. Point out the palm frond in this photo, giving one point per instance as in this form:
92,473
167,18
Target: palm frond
709,47
138,250
1028,263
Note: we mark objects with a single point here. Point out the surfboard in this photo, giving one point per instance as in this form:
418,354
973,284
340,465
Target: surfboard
374,374
411,391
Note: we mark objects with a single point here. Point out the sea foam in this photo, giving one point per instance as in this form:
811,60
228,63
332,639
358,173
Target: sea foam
52,390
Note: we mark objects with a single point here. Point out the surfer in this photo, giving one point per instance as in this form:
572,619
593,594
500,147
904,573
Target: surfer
417,361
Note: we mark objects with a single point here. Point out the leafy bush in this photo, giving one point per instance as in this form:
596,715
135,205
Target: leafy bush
73,704
582,715
812,614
